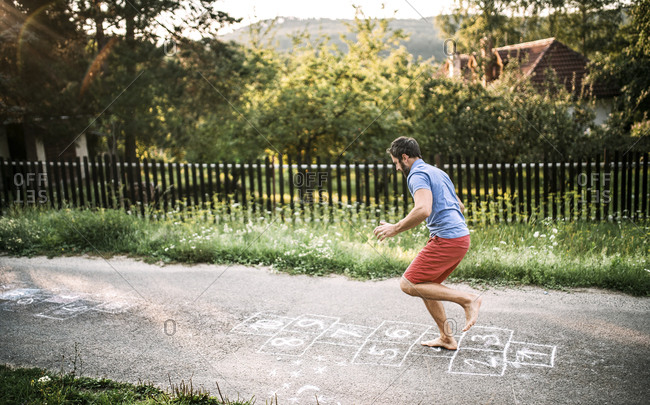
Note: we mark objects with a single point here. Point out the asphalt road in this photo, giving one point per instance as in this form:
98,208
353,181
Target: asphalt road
259,333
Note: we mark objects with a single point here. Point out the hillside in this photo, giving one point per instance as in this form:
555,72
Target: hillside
424,38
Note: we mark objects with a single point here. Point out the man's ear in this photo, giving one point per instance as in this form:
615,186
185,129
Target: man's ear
405,157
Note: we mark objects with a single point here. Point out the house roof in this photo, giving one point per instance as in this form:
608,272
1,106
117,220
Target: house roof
569,66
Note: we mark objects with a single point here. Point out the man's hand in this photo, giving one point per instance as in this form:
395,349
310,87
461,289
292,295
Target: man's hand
385,230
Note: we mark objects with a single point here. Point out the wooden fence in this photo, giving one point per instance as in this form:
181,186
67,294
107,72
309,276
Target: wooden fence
594,188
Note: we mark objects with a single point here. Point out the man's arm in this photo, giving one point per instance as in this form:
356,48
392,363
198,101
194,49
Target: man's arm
462,207
421,210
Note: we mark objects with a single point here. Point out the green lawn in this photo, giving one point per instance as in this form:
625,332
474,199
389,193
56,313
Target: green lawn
553,254
38,386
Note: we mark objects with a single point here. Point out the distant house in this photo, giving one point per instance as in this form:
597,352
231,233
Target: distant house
535,58
30,141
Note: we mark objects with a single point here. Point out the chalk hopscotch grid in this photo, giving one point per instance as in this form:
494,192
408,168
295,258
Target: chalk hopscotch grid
383,340
242,324
61,305
506,346
551,363
339,326
372,335
284,329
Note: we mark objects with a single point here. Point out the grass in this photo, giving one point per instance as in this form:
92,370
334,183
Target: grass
38,386
553,254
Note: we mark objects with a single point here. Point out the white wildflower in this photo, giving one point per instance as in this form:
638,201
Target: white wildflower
536,235
44,380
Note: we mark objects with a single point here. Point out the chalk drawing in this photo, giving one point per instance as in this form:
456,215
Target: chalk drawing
57,305
483,350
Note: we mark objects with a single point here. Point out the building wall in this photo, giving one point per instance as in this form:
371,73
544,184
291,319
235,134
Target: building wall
603,108
4,143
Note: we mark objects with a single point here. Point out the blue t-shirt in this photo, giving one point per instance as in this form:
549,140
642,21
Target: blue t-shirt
446,219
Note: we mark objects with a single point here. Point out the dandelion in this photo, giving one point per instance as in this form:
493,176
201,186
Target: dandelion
554,230
536,235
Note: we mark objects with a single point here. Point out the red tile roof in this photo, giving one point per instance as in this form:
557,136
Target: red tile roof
569,66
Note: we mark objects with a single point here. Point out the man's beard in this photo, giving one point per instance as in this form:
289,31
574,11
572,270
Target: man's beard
405,170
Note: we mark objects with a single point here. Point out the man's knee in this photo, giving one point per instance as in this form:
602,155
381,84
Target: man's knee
407,286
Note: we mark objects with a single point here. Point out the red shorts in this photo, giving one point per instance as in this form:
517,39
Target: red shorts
437,260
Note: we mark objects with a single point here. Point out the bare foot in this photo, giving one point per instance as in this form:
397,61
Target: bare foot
449,344
471,313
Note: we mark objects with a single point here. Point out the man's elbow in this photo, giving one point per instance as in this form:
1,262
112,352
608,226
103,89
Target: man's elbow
424,213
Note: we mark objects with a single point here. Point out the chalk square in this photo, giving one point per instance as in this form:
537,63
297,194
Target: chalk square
113,307
29,301
69,310
486,338
343,334
327,353
312,324
382,353
531,354
18,293
426,351
262,324
478,362
62,298
288,343
398,332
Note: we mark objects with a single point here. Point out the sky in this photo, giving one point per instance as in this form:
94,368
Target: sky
255,10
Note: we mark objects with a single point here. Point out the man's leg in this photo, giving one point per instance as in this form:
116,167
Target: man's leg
446,339
438,292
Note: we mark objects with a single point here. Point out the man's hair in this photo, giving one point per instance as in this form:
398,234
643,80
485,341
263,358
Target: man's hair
404,145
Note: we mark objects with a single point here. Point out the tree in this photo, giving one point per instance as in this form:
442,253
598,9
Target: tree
629,69
136,50
42,58
323,102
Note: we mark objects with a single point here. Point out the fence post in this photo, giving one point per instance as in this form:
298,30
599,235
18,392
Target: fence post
495,192
267,174
328,175
291,185
562,189
630,192
477,181
163,185
281,176
138,172
645,186
637,190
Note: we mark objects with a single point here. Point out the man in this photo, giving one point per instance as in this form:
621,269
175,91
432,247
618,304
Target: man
436,202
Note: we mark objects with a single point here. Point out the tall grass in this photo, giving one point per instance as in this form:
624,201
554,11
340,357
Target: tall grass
549,253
